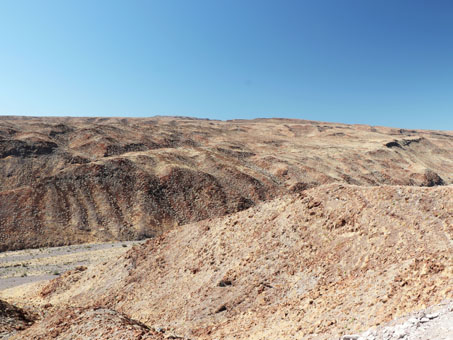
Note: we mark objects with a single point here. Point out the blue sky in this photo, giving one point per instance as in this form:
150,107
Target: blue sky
354,61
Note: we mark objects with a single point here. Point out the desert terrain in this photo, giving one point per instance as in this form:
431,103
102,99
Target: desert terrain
75,180
261,229
30,265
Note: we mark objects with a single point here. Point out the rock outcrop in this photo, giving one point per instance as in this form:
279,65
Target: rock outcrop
13,319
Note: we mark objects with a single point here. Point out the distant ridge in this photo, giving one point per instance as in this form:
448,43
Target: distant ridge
72,180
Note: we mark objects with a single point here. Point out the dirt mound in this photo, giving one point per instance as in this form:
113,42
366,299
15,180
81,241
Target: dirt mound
95,323
333,260
74,180
13,319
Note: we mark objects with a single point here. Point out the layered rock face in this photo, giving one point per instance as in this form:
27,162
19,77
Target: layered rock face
74,180
332,260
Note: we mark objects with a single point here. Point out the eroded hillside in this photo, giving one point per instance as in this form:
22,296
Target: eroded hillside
332,260
74,180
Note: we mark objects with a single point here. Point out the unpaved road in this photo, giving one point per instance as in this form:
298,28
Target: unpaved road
31,265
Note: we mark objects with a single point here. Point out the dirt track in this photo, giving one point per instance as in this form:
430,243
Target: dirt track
31,265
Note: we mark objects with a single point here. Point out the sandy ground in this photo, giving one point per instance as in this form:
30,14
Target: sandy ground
33,265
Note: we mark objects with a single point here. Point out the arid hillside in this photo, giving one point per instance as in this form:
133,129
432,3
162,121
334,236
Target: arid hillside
332,260
75,180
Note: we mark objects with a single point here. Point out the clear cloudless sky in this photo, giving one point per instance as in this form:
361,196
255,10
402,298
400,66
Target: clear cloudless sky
378,62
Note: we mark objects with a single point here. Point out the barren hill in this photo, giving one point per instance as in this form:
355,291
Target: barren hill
73,180
331,260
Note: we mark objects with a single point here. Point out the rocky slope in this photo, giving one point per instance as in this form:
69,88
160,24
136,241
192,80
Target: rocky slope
95,323
13,319
73,180
434,323
332,260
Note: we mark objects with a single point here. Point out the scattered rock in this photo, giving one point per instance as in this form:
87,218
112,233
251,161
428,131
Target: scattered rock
390,249
432,179
225,283
350,337
89,323
420,326
13,319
